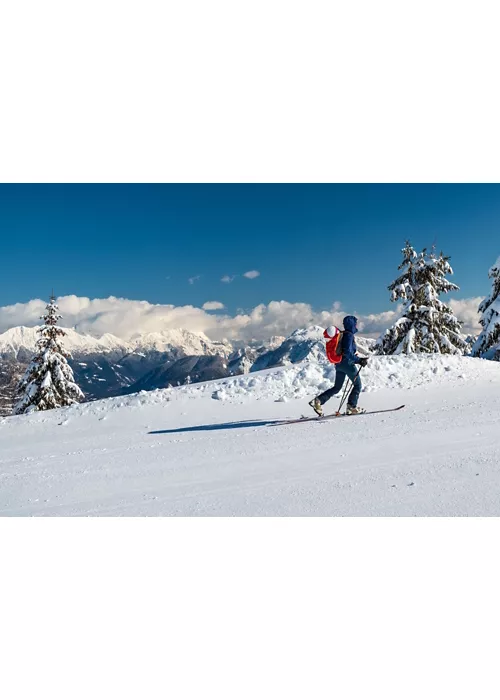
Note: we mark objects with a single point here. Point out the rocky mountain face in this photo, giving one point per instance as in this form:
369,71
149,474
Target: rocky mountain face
109,366
186,370
243,358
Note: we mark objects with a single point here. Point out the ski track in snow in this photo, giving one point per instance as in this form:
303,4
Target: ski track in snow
213,450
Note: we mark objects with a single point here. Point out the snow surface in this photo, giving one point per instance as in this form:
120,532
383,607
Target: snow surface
216,449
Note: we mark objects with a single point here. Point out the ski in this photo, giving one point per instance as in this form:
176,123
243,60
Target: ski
307,419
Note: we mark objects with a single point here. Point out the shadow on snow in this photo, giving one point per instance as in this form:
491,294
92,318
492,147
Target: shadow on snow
217,426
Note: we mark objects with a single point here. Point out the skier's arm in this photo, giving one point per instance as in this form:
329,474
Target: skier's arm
348,350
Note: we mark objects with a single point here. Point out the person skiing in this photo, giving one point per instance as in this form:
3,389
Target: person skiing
346,367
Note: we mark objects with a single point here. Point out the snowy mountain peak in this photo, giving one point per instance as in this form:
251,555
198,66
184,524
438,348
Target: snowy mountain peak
18,337
188,342
21,341
302,344
311,333
275,341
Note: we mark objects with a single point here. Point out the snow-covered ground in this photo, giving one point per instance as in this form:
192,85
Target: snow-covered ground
216,448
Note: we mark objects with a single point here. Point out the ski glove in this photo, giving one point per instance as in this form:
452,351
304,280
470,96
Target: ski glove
363,361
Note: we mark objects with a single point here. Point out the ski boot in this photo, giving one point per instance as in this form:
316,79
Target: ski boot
315,404
354,410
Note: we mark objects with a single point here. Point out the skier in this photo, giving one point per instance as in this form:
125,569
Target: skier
346,367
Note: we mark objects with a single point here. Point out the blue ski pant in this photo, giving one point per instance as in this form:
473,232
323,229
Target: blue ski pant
342,370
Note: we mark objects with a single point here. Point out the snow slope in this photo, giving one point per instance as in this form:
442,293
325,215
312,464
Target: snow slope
216,448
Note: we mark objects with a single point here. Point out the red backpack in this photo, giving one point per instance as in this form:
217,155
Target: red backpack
333,344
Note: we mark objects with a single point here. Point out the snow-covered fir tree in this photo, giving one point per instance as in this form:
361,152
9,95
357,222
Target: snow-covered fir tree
48,381
427,325
488,342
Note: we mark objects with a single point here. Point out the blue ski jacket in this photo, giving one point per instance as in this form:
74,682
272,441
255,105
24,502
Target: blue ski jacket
348,344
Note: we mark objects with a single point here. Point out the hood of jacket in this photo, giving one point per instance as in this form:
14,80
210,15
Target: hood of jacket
351,324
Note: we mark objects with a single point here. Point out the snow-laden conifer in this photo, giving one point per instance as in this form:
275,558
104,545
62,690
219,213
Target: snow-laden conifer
48,381
427,324
488,342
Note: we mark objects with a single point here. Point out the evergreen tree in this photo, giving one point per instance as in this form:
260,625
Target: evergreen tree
428,325
489,338
48,381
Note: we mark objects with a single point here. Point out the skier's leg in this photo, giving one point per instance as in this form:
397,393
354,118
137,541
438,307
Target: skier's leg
353,374
339,381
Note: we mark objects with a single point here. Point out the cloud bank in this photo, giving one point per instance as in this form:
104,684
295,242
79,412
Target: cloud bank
127,318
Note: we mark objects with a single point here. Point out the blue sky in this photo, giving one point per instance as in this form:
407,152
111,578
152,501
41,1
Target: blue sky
311,243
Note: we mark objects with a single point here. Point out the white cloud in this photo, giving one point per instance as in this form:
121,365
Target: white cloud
227,279
372,325
127,318
212,306
251,274
194,279
466,311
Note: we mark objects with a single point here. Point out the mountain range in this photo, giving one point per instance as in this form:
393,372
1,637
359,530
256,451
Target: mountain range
109,366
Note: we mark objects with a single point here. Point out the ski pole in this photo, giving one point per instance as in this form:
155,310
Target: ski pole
345,390
343,398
